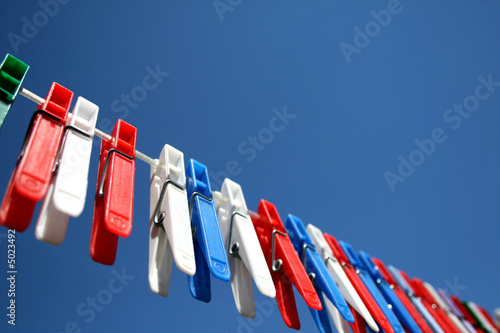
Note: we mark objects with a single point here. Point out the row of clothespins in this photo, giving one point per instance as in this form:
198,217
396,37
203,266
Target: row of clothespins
208,233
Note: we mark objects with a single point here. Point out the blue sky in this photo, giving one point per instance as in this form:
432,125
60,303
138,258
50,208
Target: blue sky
357,107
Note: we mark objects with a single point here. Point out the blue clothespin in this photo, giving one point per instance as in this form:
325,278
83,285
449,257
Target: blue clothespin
416,301
316,268
209,250
372,287
399,309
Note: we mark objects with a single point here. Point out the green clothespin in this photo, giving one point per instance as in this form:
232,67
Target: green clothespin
12,74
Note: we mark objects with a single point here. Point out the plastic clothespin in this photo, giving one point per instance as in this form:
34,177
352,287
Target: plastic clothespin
170,234
479,317
284,263
12,74
361,270
497,317
403,297
423,309
488,317
442,304
345,286
315,267
467,315
31,177
209,250
359,285
68,189
453,308
246,259
387,291
114,198
441,317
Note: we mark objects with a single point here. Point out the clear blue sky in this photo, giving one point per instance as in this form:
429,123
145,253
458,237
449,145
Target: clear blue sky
355,105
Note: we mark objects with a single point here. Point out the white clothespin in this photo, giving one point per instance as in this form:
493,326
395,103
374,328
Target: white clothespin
246,258
170,235
444,306
346,288
68,189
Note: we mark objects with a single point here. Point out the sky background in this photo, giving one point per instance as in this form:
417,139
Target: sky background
353,117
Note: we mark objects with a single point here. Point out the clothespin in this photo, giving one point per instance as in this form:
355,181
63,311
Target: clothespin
68,189
441,317
31,177
170,235
453,308
284,263
404,283
315,267
401,294
497,317
488,317
345,286
387,291
363,291
467,315
442,304
361,270
12,74
209,250
246,259
114,198
479,317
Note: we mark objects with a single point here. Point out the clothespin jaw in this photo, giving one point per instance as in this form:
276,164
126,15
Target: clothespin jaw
315,267
170,235
209,250
345,286
114,199
284,263
401,294
356,280
361,269
68,189
245,256
31,177
12,74
387,291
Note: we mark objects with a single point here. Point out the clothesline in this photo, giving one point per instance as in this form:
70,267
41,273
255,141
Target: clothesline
38,100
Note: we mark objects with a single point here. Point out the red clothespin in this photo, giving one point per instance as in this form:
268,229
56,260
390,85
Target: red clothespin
358,284
31,177
284,264
402,296
114,199
439,314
